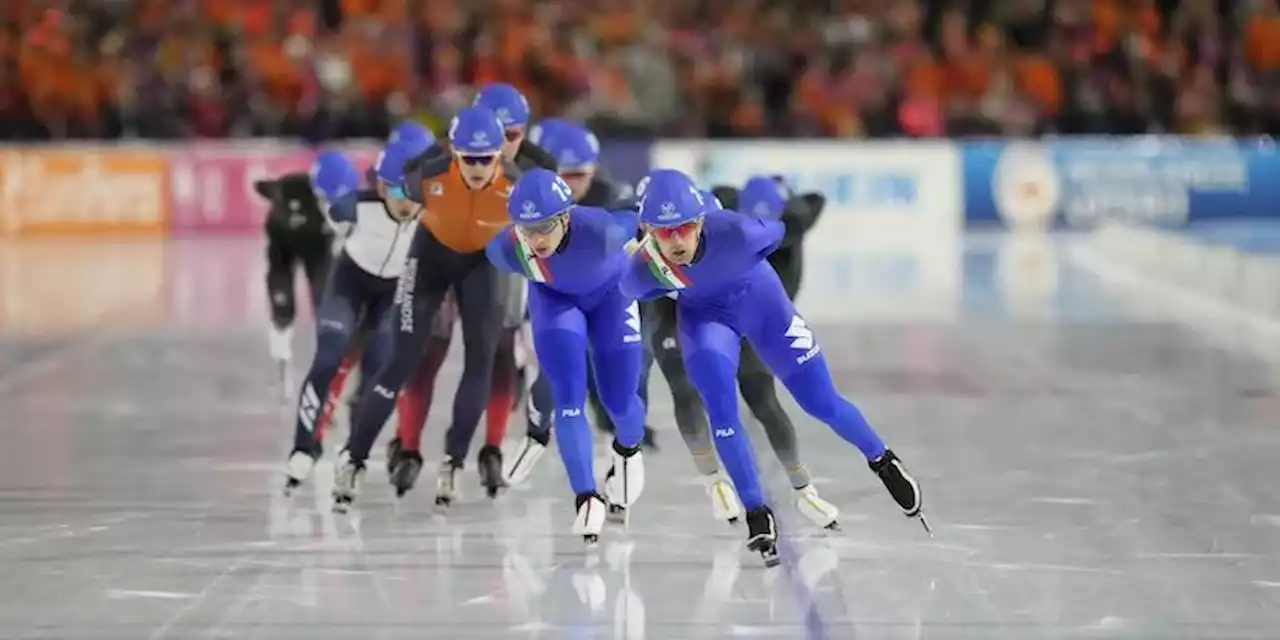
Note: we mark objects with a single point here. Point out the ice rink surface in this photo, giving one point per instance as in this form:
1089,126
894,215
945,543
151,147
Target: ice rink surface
1092,469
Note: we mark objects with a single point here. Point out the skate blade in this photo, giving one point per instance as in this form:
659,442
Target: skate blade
734,521
924,522
771,560
341,507
834,526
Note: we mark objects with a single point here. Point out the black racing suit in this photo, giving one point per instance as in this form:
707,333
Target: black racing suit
298,234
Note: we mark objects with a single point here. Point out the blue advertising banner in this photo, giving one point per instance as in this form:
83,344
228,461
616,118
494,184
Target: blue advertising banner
1080,182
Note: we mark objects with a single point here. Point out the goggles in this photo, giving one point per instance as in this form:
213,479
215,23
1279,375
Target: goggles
678,231
480,160
542,228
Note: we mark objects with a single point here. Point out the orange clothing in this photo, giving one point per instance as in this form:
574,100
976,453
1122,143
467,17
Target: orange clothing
462,218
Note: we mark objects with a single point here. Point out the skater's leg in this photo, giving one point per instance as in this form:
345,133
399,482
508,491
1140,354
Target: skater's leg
816,393
414,403
691,417
617,351
502,388
348,364
420,292
335,325
787,344
711,359
541,407
560,341
599,415
281,263
479,296
317,264
755,380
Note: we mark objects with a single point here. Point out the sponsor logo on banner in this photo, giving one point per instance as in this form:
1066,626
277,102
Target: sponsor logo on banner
882,188
1164,181
213,188
82,191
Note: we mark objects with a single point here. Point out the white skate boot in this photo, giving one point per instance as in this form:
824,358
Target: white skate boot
524,460
348,477
818,511
447,483
298,470
725,506
590,519
624,482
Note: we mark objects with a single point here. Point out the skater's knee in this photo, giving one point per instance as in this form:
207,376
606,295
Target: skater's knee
331,347
757,387
823,404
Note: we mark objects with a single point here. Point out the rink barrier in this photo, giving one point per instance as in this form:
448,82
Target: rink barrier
891,189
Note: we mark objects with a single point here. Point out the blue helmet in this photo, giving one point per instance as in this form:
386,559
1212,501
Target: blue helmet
546,128
476,131
713,203
390,164
333,175
573,146
506,101
538,196
669,198
762,197
414,138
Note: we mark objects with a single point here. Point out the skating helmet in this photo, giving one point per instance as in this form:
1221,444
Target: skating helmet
333,176
573,146
669,199
763,197
541,133
414,138
390,165
538,196
506,101
475,131
713,203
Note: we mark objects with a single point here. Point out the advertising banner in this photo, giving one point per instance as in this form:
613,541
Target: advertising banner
213,184
1080,182
884,189
82,191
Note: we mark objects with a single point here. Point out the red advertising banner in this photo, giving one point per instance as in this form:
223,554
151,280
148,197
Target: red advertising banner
82,191
212,184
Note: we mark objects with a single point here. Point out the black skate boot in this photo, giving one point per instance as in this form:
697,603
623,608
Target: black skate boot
762,535
393,451
490,465
404,471
902,486
447,483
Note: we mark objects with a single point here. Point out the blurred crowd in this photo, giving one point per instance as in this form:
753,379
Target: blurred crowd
322,69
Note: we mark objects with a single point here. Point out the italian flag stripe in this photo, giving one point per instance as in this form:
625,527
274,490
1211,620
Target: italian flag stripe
667,273
535,268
